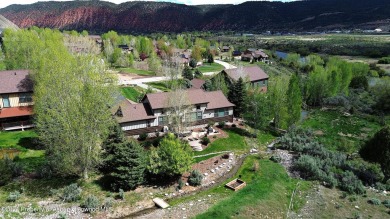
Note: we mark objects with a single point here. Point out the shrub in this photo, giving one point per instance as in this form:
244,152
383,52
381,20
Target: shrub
195,178
121,194
386,203
13,196
255,166
108,203
180,184
45,171
221,124
5,171
143,136
91,204
351,184
62,216
352,198
384,60
275,159
71,193
205,140
234,125
374,201
380,186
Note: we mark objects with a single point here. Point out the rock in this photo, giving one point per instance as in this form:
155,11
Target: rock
357,207
209,195
213,171
181,191
206,174
166,194
191,204
150,193
212,182
216,168
183,209
187,184
199,200
173,194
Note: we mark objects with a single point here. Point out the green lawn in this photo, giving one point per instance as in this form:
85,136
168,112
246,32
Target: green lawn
338,129
161,85
214,67
136,71
234,142
267,194
132,93
17,139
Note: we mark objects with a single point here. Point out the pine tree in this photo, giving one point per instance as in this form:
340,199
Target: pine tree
198,74
187,73
128,165
294,100
237,96
115,137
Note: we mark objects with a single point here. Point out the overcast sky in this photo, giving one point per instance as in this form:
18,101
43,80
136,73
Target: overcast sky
5,3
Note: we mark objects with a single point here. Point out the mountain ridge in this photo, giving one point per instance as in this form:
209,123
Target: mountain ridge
101,16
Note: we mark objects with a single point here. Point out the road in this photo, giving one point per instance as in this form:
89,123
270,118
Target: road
124,80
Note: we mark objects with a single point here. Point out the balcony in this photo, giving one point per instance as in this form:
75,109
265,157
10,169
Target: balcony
20,125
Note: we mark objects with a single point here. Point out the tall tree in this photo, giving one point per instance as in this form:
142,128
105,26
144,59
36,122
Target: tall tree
294,100
128,165
171,158
187,73
177,105
257,111
277,94
237,96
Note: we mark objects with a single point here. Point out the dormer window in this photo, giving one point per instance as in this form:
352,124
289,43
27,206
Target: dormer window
197,107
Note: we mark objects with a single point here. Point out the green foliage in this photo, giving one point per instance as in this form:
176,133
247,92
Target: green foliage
205,140
237,96
359,82
180,184
128,165
143,136
294,100
257,111
171,158
193,63
210,58
384,60
277,95
221,124
377,149
13,196
386,203
198,74
195,179
5,171
121,194
187,73
374,201
382,93
71,193
91,204
350,183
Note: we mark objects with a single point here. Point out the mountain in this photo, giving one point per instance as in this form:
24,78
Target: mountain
100,16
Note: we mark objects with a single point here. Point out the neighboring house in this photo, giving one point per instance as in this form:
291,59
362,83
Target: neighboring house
151,115
16,89
197,83
254,74
181,56
254,55
236,53
225,49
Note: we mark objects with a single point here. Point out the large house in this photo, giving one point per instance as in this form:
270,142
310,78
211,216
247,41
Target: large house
16,88
254,74
254,55
152,113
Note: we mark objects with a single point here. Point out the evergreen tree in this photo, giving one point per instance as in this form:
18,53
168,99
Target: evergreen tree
192,63
237,96
210,58
115,137
198,74
128,165
187,73
208,85
294,100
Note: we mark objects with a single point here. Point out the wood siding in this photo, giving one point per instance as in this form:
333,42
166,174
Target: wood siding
14,100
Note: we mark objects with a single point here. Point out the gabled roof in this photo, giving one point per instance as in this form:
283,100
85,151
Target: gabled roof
132,112
254,73
197,83
15,81
214,100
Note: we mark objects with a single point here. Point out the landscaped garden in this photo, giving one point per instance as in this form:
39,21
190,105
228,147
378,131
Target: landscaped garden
210,67
136,71
132,93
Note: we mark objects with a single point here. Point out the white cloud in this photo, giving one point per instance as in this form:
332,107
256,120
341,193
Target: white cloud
4,4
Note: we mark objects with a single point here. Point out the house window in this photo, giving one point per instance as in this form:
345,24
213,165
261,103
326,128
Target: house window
197,107
199,116
25,98
162,120
221,112
6,101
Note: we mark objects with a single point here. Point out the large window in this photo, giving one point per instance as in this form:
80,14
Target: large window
25,98
6,103
221,112
162,120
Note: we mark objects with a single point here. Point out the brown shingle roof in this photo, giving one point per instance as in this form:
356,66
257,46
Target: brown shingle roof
132,112
215,99
15,81
254,73
197,83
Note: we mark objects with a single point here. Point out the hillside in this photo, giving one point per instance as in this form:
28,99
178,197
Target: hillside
313,15
5,23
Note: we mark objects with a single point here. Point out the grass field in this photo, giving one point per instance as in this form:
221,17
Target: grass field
161,85
338,129
16,139
214,67
136,71
132,93
234,142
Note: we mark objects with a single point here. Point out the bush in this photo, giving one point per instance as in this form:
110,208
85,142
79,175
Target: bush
221,124
275,159
13,196
386,203
71,193
121,194
195,178
91,204
180,184
108,203
374,201
351,184
205,140
234,125
143,136
384,60
5,171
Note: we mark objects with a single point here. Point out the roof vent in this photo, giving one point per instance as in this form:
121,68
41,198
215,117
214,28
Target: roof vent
14,73
119,112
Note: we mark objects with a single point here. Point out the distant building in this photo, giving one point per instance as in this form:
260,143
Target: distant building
254,55
16,103
254,74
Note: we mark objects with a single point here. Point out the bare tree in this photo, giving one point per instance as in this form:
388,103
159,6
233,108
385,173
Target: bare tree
178,110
